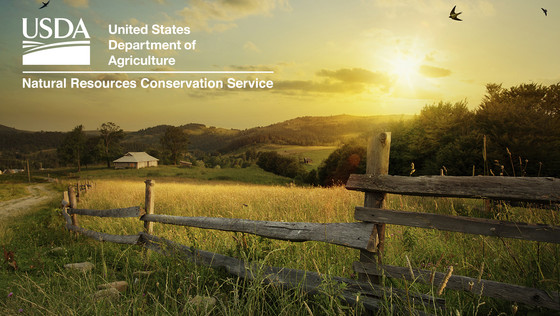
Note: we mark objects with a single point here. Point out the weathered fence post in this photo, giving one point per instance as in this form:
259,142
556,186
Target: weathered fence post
149,205
378,150
65,199
73,204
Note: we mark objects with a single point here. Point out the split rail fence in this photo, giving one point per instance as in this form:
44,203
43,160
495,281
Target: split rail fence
366,235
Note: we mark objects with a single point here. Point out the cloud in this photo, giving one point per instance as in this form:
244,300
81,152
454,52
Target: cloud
345,80
322,87
357,75
434,72
219,15
135,22
77,3
274,68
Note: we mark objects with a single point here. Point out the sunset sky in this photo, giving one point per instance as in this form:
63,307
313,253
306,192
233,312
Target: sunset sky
366,57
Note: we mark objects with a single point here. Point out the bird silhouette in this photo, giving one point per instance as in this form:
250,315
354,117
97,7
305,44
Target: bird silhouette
545,11
45,4
453,15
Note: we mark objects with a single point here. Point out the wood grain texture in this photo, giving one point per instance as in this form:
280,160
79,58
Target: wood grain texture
118,239
542,190
354,235
468,225
378,150
149,204
66,216
73,204
133,211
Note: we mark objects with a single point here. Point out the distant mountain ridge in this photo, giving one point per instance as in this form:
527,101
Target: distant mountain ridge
305,131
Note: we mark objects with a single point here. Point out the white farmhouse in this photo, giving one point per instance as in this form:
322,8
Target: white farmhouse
135,160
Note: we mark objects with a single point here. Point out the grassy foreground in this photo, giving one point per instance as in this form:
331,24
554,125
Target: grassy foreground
12,191
42,286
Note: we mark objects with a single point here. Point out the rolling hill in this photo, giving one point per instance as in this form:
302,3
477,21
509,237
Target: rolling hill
303,131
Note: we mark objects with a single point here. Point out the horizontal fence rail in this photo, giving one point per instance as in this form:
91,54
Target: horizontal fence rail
133,211
462,224
118,239
510,292
542,190
353,235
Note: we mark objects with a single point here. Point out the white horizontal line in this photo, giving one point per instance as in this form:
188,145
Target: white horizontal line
142,72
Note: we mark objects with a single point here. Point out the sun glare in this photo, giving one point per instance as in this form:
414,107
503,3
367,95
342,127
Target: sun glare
405,68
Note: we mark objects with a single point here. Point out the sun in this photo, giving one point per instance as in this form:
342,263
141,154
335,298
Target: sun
405,67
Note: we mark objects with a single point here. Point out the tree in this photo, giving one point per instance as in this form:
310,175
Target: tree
443,134
111,135
175,142
522,123
93,151
344,161
285,166
72,149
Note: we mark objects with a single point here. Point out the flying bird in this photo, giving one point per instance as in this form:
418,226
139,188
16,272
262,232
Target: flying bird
452,14
545,11
45,4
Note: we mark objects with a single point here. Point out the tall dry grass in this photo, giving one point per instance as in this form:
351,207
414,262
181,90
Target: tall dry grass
513,261
255,202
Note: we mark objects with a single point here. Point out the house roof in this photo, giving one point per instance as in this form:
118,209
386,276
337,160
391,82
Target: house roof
136,156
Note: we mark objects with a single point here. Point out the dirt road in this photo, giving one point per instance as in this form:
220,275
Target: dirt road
39,194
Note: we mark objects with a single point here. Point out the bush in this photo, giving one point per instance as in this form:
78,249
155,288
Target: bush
337,168
285,166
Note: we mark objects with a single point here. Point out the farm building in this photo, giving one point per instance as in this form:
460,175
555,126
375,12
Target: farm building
135,160
185,164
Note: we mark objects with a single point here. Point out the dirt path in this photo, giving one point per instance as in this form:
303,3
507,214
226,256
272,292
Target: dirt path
39,194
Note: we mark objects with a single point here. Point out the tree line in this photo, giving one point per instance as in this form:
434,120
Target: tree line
513,132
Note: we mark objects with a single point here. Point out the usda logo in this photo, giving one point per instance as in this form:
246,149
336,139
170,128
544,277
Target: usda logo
55,42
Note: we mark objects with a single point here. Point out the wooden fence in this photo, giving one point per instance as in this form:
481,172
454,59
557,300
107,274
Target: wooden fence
367,235
376,184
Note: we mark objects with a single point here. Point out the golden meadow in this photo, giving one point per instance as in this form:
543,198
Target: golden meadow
520,262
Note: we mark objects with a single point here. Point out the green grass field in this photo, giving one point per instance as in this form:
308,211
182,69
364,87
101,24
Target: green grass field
252,174
42,286
316,153
12,191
